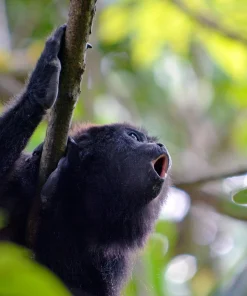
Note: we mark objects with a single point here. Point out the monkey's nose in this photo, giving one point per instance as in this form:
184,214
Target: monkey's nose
161,145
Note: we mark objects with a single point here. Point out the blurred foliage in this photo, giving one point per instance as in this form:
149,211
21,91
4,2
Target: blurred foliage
151,25
21,276
179,69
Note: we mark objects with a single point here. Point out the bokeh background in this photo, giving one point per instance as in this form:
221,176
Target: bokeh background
179,68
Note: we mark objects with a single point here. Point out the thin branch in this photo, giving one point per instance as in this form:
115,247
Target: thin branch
209,22
219,202
81,13
210,178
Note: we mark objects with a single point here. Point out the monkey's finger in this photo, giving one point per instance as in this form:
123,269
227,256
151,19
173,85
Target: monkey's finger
71,141
38,150
58,33
53,43
50,186
73,152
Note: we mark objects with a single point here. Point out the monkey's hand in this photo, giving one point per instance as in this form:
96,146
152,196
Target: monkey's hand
43,84
38,150
64,172
36,155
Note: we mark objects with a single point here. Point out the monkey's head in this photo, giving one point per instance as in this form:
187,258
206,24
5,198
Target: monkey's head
118,179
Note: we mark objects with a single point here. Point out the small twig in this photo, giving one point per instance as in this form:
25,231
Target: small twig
209,22
210,178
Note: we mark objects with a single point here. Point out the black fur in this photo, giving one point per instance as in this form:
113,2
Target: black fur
98,206
19,172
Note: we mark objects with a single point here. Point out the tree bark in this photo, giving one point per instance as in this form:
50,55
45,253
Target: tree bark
81,13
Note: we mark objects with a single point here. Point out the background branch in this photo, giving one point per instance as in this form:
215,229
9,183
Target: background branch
220,202
209,22
210,178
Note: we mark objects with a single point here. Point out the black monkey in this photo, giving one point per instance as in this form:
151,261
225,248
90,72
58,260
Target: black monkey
18,171
100,203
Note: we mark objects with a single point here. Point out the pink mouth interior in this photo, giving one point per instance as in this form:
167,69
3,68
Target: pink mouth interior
160,165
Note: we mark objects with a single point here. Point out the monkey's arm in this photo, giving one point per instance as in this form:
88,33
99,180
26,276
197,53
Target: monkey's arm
20,120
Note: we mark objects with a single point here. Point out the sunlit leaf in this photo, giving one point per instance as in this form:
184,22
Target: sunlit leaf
114,24
229,54
145,24
236,94
239,133
240,197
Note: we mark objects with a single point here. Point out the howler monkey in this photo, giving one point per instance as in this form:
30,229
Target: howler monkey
100,203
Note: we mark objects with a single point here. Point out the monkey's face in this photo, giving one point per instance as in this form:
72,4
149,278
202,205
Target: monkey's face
110,184
121,166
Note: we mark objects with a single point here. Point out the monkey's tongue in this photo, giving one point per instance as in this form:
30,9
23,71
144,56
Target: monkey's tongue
160,165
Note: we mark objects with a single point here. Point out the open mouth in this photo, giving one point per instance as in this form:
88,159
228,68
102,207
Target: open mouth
160,165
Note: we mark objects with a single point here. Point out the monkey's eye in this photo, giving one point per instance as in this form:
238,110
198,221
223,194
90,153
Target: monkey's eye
134,136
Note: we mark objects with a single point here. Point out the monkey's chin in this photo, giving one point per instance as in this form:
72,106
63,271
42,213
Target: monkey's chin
160,166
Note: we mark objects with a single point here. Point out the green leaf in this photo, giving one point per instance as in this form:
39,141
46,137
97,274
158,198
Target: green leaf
20,276
240,197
